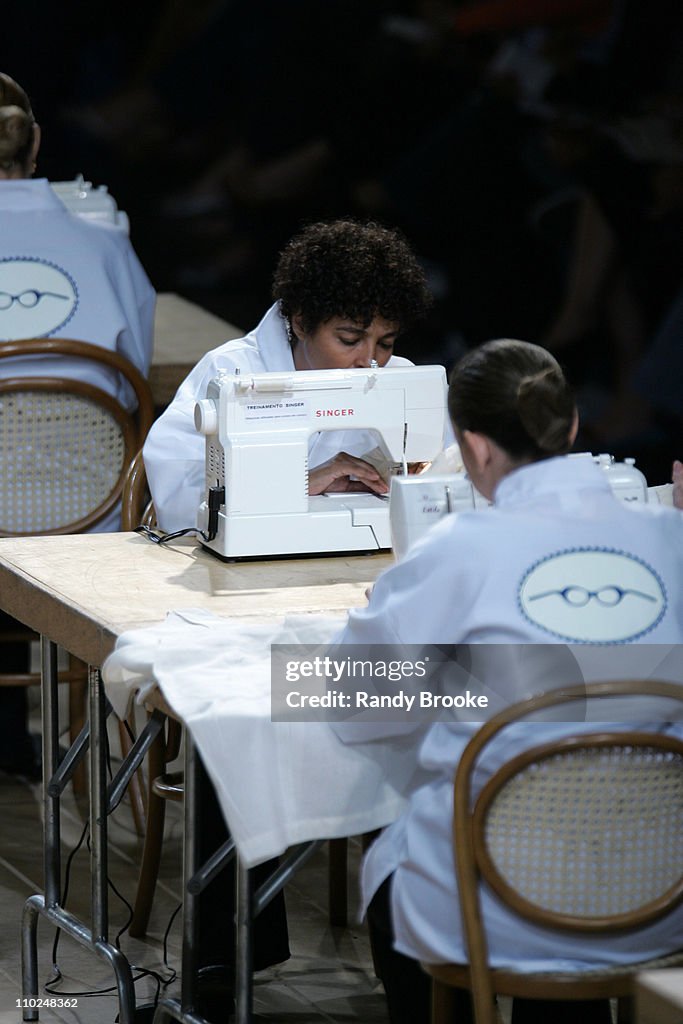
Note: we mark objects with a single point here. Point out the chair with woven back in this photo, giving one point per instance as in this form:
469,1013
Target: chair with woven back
65,446
612,802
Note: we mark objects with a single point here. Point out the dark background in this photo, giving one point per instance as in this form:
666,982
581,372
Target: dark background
485,131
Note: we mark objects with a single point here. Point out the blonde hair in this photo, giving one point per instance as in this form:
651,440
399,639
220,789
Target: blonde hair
16,127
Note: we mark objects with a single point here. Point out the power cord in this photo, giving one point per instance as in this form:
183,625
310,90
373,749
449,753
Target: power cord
157,537
160,980
216,500
52,985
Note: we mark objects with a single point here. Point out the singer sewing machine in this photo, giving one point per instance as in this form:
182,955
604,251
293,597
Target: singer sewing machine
257,429
417,502
95,204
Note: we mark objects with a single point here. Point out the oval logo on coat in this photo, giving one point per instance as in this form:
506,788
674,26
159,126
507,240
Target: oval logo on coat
37,298
591,595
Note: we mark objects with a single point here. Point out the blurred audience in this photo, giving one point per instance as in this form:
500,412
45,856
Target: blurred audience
531,152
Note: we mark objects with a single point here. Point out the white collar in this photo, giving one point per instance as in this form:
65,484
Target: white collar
272,341
550,476
23,195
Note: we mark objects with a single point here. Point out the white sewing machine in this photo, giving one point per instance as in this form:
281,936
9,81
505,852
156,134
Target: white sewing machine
257,429
417,502
95,204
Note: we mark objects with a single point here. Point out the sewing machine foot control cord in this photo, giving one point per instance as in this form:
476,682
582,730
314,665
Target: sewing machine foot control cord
216,501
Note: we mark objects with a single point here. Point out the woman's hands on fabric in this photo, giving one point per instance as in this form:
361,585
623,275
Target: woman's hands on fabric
346,473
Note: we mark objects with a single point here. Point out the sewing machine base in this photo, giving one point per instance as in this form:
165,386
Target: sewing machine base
334,524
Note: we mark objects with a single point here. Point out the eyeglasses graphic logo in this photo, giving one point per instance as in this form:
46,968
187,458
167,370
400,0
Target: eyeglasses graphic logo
593,596
608,597
37,298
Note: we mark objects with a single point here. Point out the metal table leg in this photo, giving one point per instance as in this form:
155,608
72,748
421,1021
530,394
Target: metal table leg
48,905
243,945
184,1009
247,906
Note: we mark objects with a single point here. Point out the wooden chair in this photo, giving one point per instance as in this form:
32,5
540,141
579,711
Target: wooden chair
617,795
137,508
65,446
162,785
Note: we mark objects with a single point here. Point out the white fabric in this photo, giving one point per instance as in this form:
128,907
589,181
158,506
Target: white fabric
174,451
467,582
84,279
278,784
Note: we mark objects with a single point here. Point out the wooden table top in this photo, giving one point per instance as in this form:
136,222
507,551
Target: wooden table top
183,333
83,591
659,997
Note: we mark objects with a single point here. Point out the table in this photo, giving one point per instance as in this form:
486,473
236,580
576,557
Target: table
659,997
183,333
82,592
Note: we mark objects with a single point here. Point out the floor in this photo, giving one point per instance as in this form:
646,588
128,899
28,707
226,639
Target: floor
328,978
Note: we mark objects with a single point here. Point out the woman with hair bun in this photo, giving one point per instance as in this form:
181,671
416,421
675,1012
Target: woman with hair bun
552,562
19,133
511,405
60,275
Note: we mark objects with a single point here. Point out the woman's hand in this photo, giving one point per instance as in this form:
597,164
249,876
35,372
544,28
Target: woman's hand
335,475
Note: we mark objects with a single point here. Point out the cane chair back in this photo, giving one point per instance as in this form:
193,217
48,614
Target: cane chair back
64,448
137,507
582,835
65,445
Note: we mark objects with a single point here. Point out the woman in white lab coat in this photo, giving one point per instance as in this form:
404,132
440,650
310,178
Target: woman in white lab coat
60,275
556,560
343,293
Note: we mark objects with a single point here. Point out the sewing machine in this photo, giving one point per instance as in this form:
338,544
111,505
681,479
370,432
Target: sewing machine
257,429
95,204
417,502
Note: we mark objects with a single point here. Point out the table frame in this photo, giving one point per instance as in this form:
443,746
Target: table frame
55,778
103,800
37,593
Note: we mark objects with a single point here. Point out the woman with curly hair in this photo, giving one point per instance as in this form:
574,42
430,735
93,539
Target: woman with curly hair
344,291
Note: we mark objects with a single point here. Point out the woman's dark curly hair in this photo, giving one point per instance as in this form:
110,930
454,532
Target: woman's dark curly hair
350,269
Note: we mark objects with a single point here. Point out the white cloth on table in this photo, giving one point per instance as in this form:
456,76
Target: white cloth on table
278,783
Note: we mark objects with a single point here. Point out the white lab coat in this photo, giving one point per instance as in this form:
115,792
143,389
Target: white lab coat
175,452
62,276
503,576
